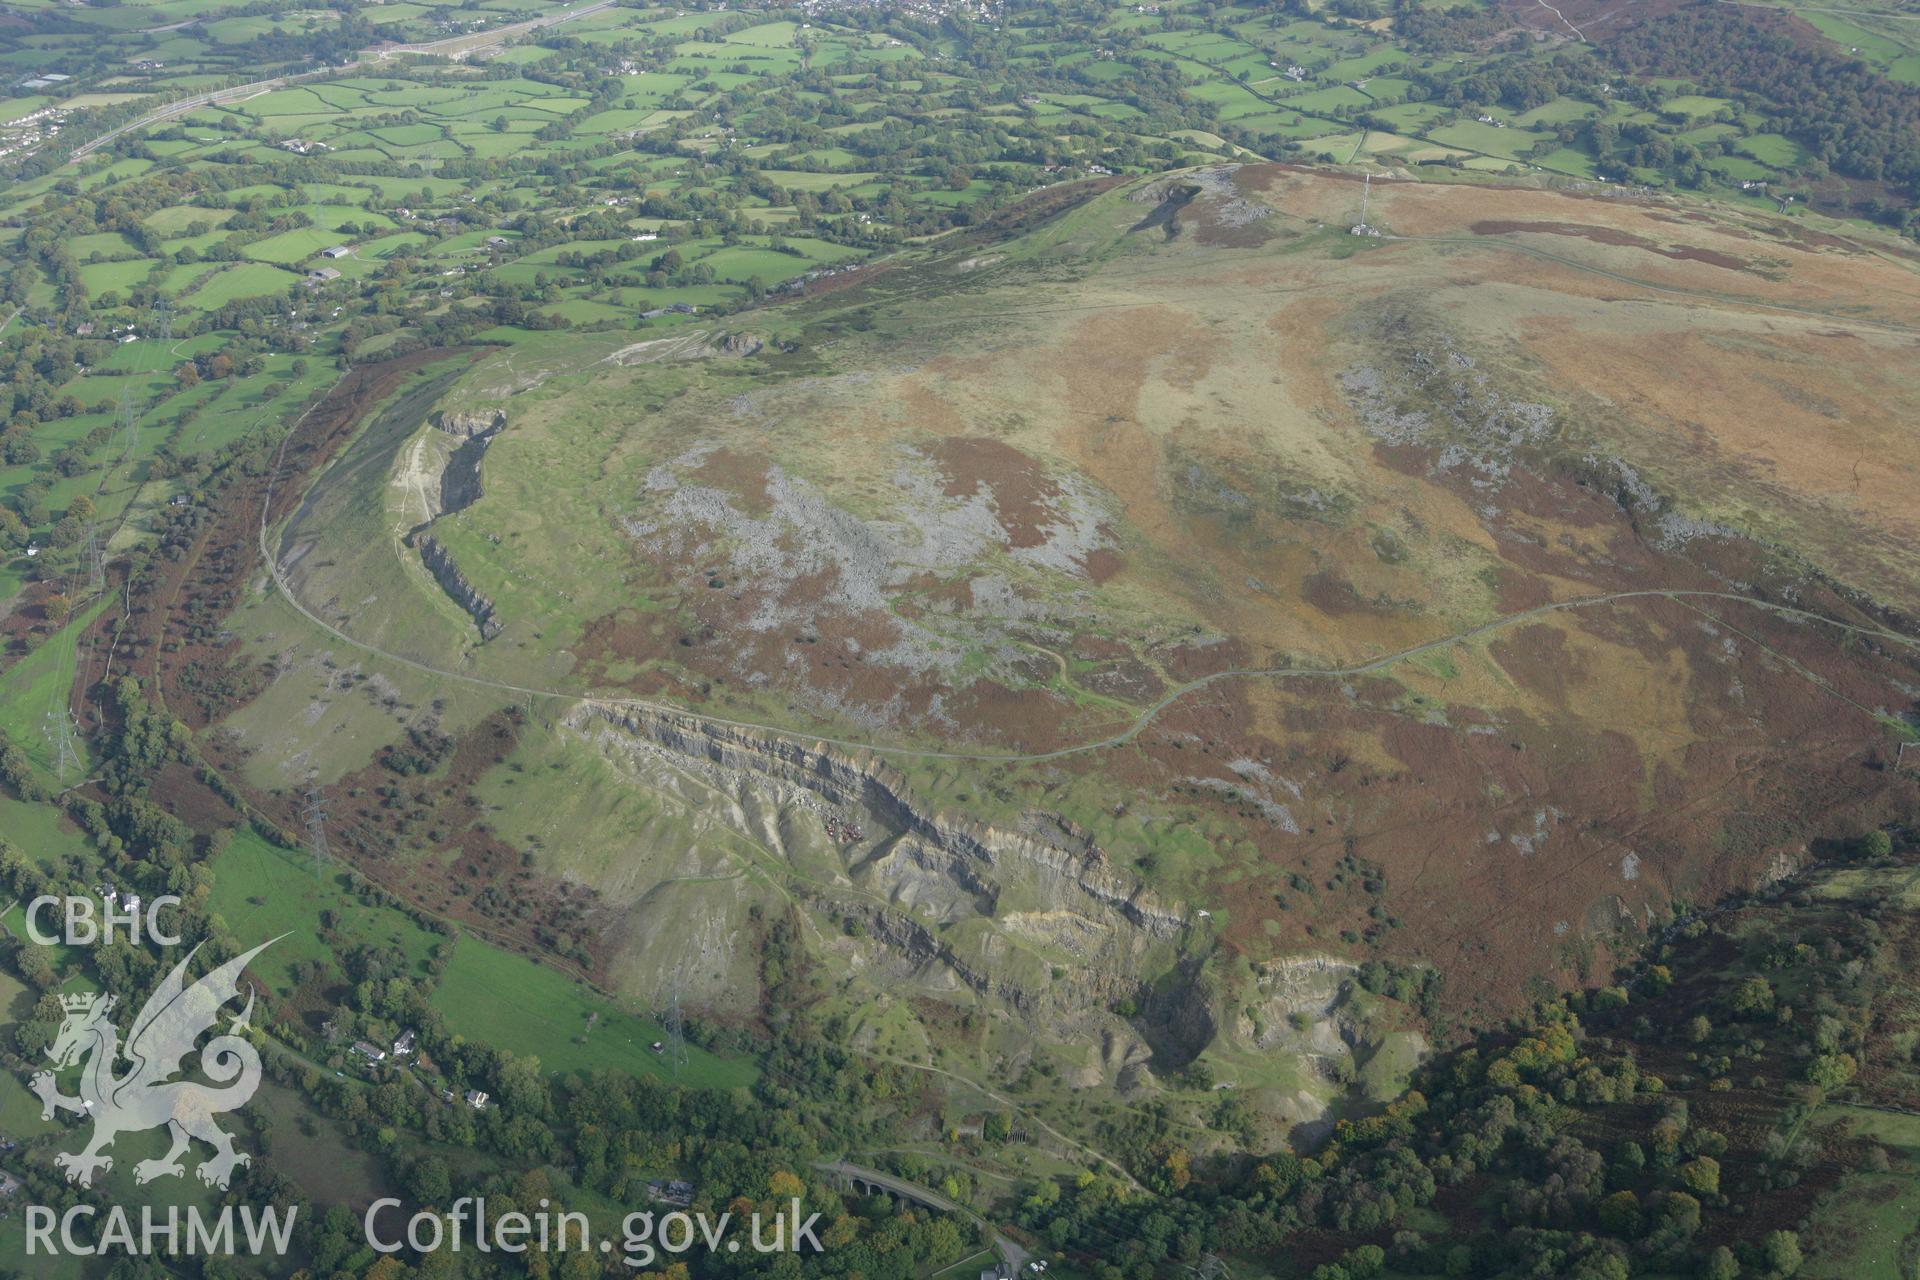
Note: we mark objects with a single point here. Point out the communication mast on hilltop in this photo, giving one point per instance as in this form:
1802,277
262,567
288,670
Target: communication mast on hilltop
1362,228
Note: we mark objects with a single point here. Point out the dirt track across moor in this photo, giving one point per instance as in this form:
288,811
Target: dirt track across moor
1125,736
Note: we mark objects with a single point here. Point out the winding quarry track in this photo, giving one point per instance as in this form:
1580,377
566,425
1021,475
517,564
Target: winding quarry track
1140,723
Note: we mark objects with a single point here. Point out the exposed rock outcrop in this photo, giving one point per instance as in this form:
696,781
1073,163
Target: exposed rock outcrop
1179,1017
468,423
1071,865
460,484
1028,917
458,487
440,564
1035,918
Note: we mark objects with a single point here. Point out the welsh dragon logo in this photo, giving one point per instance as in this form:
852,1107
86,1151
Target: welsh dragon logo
146,1096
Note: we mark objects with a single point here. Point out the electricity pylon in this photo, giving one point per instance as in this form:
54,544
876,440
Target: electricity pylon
315,814
676,1028
60,738
96,562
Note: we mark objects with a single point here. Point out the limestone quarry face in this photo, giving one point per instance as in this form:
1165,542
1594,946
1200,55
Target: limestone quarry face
440,564
444,481
1117,982
470,422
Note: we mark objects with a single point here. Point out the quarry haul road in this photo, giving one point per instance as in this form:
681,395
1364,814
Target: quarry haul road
1122,738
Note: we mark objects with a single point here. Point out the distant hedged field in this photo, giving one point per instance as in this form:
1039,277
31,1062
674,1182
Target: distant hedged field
403,175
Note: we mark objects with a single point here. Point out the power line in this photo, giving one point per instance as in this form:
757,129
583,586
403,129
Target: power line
96,562
160,328
129,420
61,741
60,738
1210,1267
676,1027
314,813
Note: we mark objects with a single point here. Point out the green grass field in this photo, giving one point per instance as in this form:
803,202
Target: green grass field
66,960
40,831
36,687
1771,149
242,280
1872,1219
261,892
292,246
110,277
513,1003
1891,46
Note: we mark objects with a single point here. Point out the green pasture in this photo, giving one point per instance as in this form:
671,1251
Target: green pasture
1895,51
513,1003
290,247
1772,150
33,692
175,219
1868,1223
114,277
1694,105
41,831
261,891
242,280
